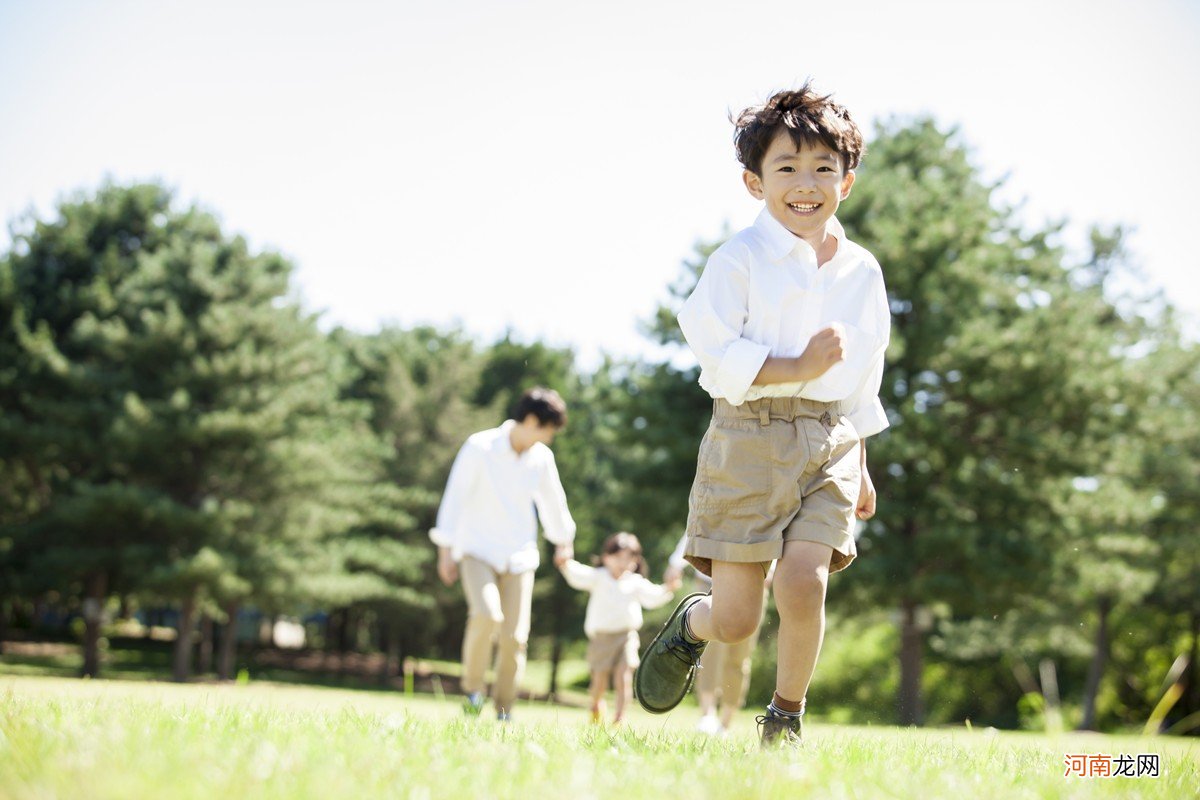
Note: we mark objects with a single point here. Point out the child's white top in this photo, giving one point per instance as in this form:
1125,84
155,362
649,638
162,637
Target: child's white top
487,508
761,294
616,603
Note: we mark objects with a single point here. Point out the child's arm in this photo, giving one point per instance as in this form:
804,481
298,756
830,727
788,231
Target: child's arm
651,595
579,576
712,320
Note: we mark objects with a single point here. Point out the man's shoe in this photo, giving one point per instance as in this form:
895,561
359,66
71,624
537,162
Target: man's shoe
669,663
779,729
473,703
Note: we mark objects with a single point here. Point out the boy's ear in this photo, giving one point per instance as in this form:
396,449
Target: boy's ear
753,184
847,182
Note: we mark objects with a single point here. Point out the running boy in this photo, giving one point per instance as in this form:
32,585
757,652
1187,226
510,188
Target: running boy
789,322
486,532
620,590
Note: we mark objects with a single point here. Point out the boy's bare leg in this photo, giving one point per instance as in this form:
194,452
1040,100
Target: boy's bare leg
735,607
800,581
623,689
598,688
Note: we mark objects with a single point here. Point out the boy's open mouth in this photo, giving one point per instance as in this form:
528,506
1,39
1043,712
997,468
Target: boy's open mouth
804,208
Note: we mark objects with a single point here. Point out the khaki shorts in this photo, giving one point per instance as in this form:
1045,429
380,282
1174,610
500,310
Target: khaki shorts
611,651
769,471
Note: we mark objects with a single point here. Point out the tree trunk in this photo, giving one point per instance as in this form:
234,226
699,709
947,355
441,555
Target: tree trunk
228,646
93,616
4,605
555,658
205,655
912,711
1190,701
1096,668
181,668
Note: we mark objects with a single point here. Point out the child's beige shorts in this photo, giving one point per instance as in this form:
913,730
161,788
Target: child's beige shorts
610,651
769,471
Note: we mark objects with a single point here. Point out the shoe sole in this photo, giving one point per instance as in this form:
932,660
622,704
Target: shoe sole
637,677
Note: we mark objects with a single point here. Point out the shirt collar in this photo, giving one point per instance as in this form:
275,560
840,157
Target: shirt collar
506,445
780,241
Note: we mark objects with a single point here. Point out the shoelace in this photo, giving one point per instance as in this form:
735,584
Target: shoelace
788,723
684,650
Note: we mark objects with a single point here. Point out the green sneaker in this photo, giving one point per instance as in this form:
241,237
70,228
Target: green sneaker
779,729
669,663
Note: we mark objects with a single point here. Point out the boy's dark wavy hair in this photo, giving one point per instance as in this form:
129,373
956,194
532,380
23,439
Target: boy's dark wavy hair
622,541
807,116
543,403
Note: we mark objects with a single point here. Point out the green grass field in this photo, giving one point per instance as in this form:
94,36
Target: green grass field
66,738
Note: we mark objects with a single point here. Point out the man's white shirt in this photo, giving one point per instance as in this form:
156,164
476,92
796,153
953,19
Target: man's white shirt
615,604
487,510
762,294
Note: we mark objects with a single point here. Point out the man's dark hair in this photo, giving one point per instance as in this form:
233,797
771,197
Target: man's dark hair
808,118
543,403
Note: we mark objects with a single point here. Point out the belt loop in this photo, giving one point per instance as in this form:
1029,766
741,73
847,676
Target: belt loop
764,412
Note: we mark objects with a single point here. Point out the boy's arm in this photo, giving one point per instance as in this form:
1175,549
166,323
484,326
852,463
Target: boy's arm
866,491
712,320
825,348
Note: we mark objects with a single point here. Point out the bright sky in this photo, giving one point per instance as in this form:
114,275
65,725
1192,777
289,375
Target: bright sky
546,165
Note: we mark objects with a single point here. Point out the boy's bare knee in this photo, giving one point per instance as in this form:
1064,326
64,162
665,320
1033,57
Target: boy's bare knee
733,625
800,589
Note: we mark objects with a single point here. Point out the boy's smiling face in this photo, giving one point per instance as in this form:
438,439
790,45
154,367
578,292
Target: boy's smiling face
801,187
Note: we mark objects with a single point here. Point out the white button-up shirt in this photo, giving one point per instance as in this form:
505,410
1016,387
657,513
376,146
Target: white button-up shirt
616,603
487,509
761,294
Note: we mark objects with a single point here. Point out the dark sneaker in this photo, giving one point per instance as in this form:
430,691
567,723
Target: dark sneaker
669,663
779,729
473,703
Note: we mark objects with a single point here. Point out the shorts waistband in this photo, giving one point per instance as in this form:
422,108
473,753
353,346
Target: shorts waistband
785,408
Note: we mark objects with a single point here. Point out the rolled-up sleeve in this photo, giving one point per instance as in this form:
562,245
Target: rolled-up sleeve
551,503
458,488
863,407
712,321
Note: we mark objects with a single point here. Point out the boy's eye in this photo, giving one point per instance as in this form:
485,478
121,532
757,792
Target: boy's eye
786,169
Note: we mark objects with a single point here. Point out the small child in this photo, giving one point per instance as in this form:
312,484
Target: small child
619,590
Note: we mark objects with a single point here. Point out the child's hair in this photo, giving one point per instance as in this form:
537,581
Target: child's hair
808,118
543,403
625,542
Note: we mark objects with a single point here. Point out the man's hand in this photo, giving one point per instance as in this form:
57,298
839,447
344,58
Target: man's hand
866,496
562,554
447,567
825,348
